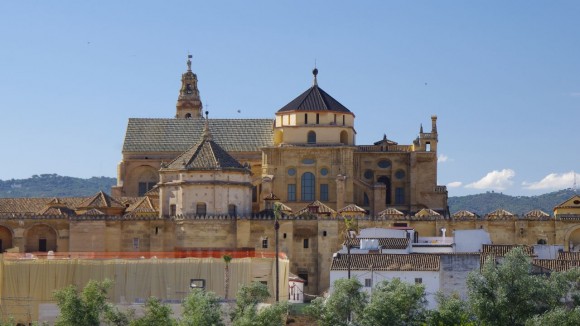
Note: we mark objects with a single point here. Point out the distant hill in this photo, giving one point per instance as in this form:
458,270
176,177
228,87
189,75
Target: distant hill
488,202
53,185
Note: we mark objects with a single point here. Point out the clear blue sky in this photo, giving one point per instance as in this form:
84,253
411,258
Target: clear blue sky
503,77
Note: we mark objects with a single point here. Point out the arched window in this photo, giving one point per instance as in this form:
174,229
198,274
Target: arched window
344,137
311,138
200,209
188,115
387,181
366,201
308,186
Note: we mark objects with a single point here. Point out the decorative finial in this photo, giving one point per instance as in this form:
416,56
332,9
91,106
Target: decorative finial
206,132
421,129
315,73
189,56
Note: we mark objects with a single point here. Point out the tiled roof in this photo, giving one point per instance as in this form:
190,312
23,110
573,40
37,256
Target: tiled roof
494,251
101,199
205,155
556,265
178,135
93,212
500,214
385,141
391,212
536,214
502,250
464,215
34,205
387,262
53,211
321,209
426,212
352,208
144,205
314,99
285,208
385,243
569,255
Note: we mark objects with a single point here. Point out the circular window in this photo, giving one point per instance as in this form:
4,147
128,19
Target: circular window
291,172
368,174
384,164
324,171
308,161
400,174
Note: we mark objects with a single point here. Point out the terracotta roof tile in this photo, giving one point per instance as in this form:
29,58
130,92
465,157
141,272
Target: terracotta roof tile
385,243
316,207
556,265
101,199
205,155
500,214
569,255
387,262
537,214
392,213
178,135
464,215
352,208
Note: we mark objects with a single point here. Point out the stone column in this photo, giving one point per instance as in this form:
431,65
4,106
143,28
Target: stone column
379,195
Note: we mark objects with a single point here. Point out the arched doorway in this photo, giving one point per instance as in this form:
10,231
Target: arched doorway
40,238
573,239
5,238
387,182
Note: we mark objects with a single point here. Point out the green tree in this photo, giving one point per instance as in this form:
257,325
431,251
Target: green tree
559,316
201,308
451,311
347,301
395,303
88,307
247,313
156,313
508,294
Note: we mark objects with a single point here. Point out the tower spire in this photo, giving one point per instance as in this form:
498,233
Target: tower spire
189,103
315,73
206,133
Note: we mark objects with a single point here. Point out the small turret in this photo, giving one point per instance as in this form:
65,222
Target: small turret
434,124
189,103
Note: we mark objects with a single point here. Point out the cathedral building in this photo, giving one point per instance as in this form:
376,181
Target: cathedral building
307,153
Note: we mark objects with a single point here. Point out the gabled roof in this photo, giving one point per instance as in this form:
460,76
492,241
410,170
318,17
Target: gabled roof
101,199
385,141
205,155
177,135
352,208
285,208
536,213
321,209
314,99
426,212
572,202
386,262
144,205
391,212
499,214
464,215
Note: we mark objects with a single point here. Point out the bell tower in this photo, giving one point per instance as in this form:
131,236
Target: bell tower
188,103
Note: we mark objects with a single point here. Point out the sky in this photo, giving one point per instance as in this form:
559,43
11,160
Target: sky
503,77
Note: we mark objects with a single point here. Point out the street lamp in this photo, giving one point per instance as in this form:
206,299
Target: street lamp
276,228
